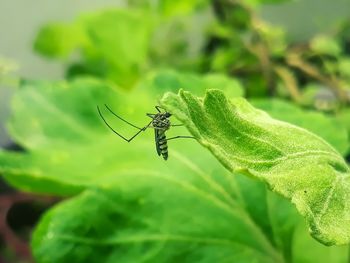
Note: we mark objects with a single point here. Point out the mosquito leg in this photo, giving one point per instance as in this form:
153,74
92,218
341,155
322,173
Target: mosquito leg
158,108
117,133
143,129
163,121
180,136
122,118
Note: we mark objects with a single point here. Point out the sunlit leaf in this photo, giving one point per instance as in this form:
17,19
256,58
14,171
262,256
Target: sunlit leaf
327,127
292,161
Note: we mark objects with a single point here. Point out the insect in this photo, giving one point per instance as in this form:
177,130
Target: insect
160,123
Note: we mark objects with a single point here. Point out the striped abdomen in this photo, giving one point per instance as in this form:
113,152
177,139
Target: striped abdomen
161,143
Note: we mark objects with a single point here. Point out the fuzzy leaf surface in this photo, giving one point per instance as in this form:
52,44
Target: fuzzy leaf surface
292,161
328,128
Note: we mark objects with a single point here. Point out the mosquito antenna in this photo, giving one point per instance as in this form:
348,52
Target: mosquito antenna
104,120
121,118
158,108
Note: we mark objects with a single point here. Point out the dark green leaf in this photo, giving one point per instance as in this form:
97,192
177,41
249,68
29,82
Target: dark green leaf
152,218
208,216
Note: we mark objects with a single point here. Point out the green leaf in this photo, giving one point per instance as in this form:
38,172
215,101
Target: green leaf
344,117
287,230
113,43
139,206
325,45
203,217
60,40
306,251
59,126
292,161
256,3
274,36
151,218
171,80
327,127
171,8
121,38
344,66
68,147
180,41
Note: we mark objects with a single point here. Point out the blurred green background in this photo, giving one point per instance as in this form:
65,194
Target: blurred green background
20,21
59,59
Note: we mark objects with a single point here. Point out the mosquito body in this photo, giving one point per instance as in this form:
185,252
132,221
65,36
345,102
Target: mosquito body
160,123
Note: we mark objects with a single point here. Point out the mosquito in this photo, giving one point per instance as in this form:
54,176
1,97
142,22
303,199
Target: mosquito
160,123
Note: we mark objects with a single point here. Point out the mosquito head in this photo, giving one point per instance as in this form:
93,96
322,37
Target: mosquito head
167,114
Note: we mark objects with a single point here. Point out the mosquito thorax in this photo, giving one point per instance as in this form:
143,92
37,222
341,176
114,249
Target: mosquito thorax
161,121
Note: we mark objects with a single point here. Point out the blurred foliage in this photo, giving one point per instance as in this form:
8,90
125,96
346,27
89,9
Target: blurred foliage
235,41
169,80
7,66
129,205
169,8
103,40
